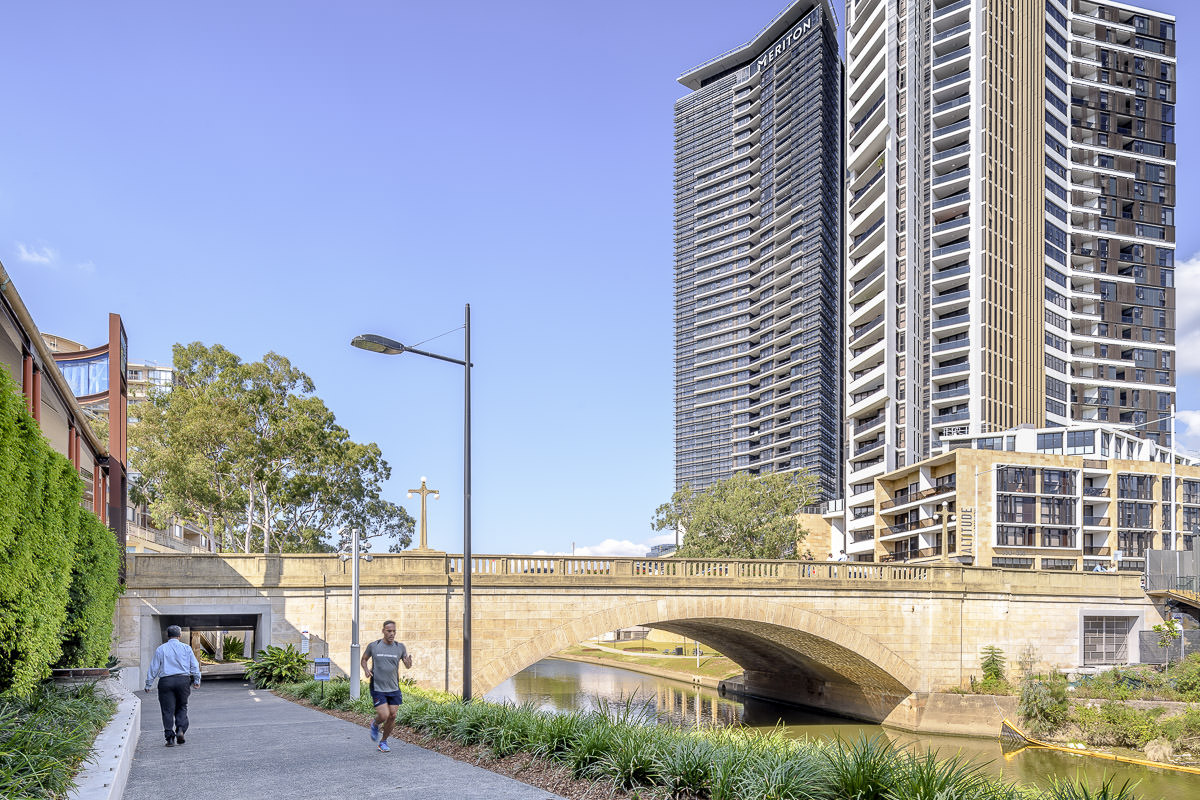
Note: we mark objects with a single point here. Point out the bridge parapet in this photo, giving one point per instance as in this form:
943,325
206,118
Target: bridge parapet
433,569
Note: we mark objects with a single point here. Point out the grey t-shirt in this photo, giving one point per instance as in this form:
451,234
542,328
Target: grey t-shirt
385,665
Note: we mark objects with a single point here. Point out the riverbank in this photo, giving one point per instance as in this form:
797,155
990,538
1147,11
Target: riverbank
976,716
706,681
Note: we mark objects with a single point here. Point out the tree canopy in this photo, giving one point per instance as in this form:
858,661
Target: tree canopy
745,516
251,454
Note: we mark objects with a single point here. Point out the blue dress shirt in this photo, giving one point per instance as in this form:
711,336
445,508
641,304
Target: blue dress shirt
173,657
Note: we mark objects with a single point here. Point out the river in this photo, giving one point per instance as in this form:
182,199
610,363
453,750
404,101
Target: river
555,685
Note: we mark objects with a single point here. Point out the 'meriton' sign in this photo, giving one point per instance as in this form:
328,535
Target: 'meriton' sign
788,39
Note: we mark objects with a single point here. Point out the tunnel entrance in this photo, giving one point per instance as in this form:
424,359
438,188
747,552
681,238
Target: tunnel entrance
223,642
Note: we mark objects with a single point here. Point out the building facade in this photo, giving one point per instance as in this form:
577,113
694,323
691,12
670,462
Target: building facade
1090,497
52,404
1009,226
758,183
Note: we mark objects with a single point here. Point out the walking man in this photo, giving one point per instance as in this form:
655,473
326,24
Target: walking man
385,655
177,670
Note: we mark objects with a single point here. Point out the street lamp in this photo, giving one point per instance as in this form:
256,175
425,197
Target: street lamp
390,347
354,623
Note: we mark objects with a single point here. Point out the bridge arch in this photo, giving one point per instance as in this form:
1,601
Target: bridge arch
764,637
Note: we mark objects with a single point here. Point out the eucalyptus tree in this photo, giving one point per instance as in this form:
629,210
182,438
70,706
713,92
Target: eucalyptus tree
745,516
251,450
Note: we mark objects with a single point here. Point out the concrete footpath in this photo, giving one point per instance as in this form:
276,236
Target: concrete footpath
244,743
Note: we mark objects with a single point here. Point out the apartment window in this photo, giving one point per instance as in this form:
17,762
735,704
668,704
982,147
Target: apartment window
1058,481
1081,442
1058,511
1106,639
1058,537
1016,509
1135,515
1016,479
1058,563
1012,563
1050,442
1135,487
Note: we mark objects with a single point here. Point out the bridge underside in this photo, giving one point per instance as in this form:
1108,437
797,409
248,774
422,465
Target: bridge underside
794,666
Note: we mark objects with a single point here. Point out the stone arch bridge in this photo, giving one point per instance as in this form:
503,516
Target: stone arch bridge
867,640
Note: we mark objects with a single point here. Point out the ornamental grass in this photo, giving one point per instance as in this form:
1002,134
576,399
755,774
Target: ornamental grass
618,744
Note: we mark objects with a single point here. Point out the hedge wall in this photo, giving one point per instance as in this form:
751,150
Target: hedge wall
58,562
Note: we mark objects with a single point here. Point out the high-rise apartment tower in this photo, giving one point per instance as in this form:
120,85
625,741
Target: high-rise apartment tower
758,204
1010,225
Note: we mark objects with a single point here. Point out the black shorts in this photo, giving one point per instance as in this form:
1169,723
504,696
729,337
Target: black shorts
391,698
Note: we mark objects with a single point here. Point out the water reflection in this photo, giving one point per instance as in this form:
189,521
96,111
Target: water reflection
553,685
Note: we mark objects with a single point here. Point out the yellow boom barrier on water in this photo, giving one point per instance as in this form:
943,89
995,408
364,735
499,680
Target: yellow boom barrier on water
1010,734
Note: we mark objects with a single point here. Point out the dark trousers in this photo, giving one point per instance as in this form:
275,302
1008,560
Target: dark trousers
173,692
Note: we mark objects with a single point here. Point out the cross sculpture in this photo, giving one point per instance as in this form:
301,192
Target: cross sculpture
424,492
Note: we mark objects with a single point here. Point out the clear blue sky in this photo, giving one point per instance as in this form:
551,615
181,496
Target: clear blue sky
285,175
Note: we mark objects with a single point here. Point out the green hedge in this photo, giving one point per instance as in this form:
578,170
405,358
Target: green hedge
58,563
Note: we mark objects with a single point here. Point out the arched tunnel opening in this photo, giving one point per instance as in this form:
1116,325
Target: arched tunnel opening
793,666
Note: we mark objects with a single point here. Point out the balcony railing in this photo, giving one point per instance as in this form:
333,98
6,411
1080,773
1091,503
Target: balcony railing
932,491
867,116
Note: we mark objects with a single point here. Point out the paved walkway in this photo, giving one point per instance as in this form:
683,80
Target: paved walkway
247,743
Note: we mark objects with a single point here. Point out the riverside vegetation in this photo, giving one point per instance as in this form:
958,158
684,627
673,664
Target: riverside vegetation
1097,709
616,745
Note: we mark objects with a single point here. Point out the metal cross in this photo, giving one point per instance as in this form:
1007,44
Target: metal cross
424,492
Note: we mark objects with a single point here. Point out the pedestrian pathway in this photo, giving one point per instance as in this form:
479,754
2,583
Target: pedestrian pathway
245,743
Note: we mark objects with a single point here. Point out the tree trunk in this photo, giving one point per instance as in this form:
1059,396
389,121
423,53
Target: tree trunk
266,524
249,516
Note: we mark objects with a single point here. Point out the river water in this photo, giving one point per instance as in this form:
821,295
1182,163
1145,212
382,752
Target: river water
555,685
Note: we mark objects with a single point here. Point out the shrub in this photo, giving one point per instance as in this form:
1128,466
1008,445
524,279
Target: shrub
1186,676
991,661
278,665
555,734
925,777
1117,724
58,563
233,647
631,757
45,736
784,772
863,770
1082,790
1043,705
684,766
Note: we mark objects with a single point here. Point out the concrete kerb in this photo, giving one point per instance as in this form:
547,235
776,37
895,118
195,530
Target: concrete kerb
104,775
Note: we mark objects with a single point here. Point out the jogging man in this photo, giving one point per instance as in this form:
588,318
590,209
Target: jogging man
385,656
178,671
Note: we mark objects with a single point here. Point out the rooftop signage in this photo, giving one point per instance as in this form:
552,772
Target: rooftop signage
788,39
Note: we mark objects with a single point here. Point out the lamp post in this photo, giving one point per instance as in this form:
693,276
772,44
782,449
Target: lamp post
390,347
355,655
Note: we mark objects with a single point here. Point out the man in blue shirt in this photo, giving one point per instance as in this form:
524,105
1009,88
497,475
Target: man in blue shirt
177,670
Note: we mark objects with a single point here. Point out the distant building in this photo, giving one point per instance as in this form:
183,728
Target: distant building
758,241
1081,498
1010,225
663,550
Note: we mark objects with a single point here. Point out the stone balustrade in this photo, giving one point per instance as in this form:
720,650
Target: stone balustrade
431,568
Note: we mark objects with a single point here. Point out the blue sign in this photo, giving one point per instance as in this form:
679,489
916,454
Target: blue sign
321,669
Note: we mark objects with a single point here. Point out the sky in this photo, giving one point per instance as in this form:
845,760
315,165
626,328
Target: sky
282,176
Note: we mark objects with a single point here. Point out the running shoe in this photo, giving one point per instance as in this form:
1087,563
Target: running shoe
374,731
383,747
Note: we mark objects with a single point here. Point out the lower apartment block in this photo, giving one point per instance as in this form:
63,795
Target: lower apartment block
1082,498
